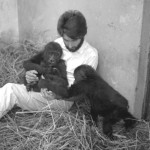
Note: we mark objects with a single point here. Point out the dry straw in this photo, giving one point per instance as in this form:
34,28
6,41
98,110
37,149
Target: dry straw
53,129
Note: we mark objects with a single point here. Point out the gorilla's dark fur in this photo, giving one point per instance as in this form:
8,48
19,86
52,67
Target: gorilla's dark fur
49,64
104,100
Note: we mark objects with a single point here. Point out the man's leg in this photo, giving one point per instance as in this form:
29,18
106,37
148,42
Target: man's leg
12,94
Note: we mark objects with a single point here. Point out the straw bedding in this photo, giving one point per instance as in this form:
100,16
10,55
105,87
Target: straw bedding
53,129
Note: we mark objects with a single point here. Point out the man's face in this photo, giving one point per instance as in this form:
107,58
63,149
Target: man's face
71,44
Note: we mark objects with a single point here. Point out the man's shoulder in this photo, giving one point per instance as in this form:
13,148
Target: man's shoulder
89,48
59,40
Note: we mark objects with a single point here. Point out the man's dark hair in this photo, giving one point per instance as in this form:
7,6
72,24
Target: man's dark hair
73,24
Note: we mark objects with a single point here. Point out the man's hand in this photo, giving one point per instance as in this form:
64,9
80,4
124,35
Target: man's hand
49,95
31,76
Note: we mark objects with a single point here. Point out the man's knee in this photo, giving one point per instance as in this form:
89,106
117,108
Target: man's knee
8,84
7,87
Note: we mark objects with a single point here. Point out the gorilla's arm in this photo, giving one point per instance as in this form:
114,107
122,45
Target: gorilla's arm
34,63
76,98
62,68
79,88
57,87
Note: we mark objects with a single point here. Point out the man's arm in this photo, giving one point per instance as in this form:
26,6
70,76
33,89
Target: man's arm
93,61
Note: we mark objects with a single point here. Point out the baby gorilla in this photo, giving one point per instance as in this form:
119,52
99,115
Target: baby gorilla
48,63
104,100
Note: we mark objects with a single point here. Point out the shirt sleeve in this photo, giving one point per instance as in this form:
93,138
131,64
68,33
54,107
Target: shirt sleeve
93,61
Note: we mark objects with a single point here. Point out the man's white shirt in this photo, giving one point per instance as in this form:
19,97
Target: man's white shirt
86,54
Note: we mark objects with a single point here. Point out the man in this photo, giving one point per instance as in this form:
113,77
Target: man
72,29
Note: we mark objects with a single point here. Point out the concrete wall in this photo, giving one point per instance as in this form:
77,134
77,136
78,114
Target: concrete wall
114,28
8,22
118,31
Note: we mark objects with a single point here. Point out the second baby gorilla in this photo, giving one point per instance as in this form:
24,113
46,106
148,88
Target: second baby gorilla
48,63
104,100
